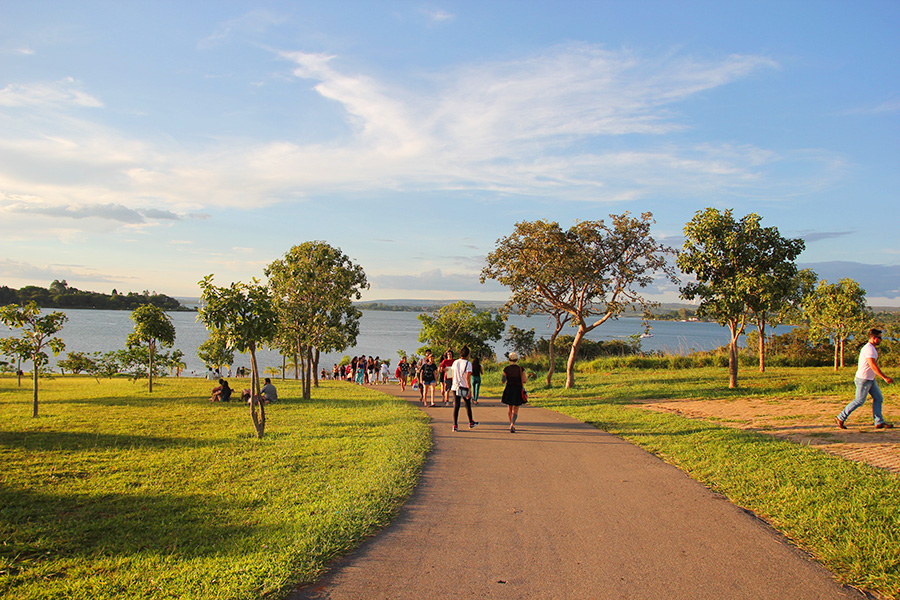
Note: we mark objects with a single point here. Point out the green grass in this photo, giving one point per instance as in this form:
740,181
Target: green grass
114,493
844,513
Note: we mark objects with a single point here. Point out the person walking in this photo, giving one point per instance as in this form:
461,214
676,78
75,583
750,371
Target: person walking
447,376
461,370
476,379
866,384
403,370
429,378
514,392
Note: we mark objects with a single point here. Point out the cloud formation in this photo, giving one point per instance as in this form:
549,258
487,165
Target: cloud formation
66,91
114,212
537,126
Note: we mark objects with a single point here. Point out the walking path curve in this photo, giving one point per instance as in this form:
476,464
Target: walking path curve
563,510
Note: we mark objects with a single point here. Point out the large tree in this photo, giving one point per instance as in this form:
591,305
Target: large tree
245,316
456,325
591,272
742,271
837,311
152,327
38,333
313,287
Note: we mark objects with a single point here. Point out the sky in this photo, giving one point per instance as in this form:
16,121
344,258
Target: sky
147,144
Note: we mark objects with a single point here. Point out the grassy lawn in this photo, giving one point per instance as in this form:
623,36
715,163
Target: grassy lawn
114,493
844,513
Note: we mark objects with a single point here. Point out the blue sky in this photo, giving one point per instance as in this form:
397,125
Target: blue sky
144,145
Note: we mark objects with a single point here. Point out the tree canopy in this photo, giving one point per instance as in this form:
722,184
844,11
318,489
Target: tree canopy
741,270
456,325
245,316
836,311
38,333
152,327
591,272
313,287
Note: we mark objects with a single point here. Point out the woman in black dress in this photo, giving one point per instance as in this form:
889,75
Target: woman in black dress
514,378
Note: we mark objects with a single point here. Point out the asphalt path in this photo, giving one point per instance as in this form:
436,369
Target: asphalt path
560,509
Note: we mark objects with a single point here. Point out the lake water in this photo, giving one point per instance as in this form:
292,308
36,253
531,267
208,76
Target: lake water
382,333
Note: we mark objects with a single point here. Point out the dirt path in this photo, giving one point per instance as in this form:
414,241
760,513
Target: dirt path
805,421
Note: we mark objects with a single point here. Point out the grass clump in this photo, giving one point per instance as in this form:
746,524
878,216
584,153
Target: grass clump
114,493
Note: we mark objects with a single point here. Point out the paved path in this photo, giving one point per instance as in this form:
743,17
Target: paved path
563,510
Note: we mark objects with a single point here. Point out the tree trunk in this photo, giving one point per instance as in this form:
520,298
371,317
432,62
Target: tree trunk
842,353
307,378
259,420
570,364
34,403
315,368
550,351
836,346
733,356
150,373
283,367
296,367
761,326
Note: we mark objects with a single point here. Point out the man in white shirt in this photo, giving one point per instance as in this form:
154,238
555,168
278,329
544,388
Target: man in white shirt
866,384
461,372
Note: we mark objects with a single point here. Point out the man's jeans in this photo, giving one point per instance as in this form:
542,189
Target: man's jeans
865,387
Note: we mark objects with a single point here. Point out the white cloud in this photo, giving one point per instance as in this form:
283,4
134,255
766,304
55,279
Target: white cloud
55,93
253,22
507,127
889,106
438,15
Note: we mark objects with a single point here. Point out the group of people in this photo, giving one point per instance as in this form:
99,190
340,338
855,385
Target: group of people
362,370
222,392
460,382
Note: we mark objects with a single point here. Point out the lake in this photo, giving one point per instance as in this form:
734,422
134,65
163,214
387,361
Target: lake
382,333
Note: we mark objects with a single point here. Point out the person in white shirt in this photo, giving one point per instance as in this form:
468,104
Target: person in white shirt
866,384
462,386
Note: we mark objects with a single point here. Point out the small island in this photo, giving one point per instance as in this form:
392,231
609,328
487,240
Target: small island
61,295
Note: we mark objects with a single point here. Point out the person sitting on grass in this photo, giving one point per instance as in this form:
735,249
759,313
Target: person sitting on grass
222,392
268,392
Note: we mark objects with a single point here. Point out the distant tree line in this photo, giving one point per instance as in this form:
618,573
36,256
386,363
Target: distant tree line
61,295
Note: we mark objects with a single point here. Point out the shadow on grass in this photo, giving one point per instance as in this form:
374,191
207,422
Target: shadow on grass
52,526
70,440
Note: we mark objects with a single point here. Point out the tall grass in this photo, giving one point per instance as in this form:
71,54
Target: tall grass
114,493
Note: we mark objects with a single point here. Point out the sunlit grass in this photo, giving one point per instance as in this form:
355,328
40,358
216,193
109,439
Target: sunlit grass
116,493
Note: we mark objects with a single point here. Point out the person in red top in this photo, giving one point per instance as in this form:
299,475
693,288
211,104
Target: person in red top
446,367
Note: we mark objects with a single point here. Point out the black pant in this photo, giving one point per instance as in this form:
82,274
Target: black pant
468,408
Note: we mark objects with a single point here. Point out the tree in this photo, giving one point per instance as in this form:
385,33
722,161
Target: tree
215,351
742,271
245,315
76,362
520,340
457,325
590,270
776,284
59,287
37,334
836,311
152,327
313,287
